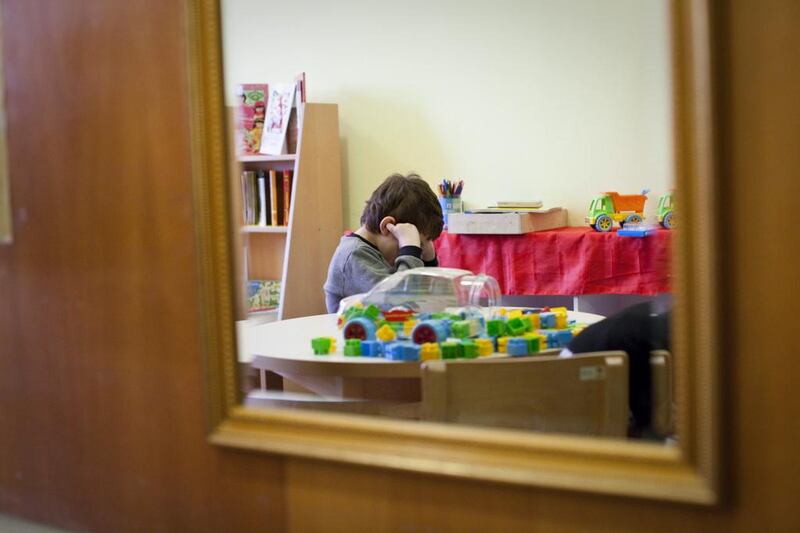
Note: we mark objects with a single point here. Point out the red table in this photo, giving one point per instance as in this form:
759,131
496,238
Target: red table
570,261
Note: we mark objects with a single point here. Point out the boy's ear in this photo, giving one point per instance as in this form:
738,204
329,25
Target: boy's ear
386,220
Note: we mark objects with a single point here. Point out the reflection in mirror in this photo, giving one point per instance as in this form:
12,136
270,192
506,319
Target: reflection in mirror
542,132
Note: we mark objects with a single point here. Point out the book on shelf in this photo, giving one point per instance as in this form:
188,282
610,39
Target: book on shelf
249,197
287,195
250,116
279,108
273,197
262,199
263,295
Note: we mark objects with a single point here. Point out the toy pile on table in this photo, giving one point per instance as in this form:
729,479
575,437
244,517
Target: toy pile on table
400,334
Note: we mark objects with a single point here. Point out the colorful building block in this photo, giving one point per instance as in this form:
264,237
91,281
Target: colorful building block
514,313
321,345
371,349
408,326
402,351
451,350
496,328
485,347
526,321
469,349
352,347
464,328
372,312
517,346
502,344
536,322
534,342
385,333
515,326
429,351
548,320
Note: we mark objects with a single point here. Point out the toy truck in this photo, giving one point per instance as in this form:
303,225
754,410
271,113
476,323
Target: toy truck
612,206
665,207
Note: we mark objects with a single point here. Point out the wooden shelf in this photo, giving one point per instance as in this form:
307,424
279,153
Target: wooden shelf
267,158
264,229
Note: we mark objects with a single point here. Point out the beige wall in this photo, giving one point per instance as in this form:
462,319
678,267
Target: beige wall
554,100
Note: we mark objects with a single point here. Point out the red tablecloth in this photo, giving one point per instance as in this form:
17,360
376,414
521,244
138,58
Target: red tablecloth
565,261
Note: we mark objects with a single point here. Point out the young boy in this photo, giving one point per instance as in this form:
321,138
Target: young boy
401,220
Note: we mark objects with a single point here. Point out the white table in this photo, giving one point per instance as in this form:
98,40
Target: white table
285,348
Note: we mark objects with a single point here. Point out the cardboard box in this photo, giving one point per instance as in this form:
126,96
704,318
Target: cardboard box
514,223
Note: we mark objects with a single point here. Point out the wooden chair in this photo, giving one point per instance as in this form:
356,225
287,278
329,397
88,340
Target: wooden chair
662,417
586,394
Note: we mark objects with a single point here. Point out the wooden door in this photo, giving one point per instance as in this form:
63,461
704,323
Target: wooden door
100,373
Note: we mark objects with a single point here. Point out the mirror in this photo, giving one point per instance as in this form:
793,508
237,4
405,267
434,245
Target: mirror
568,104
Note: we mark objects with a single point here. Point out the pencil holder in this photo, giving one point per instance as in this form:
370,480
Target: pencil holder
450,204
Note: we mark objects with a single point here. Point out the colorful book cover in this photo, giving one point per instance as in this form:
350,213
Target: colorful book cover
287,195
251,116
279,107
263,295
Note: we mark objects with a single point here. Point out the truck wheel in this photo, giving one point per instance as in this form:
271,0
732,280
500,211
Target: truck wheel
603,223
668,221
631,219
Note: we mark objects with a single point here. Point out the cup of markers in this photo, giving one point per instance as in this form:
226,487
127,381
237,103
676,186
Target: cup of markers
450,197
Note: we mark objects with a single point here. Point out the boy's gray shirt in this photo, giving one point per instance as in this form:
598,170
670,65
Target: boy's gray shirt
357,265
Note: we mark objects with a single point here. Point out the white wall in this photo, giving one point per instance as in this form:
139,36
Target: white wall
551,99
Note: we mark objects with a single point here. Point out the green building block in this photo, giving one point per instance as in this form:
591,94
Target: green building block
526,320
372,312
451,350
461,329
469,348
321,345
495,328
515,326
534,344
352,347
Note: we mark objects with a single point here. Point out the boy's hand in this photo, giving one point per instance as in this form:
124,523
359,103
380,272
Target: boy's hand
428,251
406,234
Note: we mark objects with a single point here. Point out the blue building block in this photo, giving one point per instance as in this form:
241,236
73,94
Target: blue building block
371,349
563,336
402,351
517,346
548,320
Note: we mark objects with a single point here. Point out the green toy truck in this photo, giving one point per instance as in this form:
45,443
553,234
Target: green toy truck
611,206
665,207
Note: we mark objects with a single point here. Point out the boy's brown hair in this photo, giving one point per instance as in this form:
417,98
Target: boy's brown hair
409,199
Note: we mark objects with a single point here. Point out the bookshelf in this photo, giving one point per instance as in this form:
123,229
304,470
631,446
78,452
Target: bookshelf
297,254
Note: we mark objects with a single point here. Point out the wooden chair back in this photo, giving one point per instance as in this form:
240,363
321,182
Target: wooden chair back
585,394
662,418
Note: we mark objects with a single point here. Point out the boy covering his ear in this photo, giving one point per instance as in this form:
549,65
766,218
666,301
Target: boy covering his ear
399,223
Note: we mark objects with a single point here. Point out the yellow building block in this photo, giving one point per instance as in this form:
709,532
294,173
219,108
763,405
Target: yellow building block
515,313
561,321
485,347
408,325
502,344
429,351
536,321
502,311
333,344
386,333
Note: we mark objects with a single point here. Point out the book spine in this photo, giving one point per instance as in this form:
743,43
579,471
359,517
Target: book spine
262,199
287,195
273,191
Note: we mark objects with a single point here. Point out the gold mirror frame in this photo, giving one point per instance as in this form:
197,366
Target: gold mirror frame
687,472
